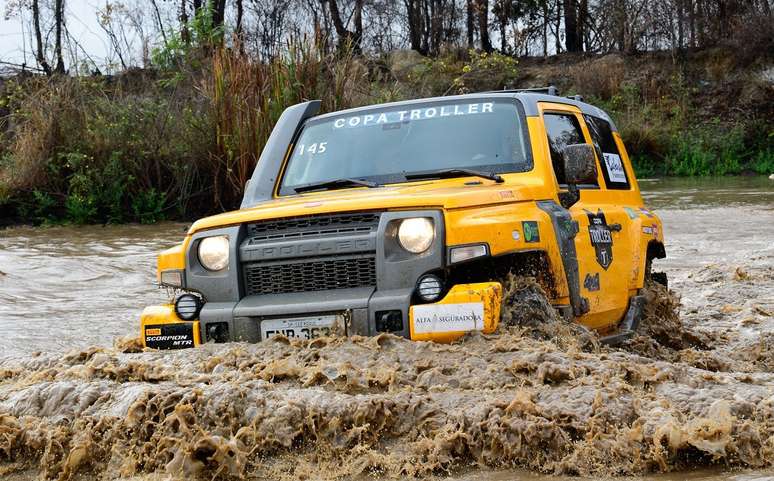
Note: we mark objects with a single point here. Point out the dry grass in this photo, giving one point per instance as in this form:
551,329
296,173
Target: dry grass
247,98
181,144
601,78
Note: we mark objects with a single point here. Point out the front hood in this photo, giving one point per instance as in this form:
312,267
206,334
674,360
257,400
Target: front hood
445,194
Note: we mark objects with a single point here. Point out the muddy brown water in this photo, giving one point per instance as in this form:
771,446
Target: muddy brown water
694,399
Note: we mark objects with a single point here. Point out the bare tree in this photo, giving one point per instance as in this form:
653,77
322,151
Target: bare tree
40,54
58,22
347,37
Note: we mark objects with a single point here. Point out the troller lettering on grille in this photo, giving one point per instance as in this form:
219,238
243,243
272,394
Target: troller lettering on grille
307,249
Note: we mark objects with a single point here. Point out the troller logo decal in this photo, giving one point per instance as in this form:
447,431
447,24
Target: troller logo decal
601,238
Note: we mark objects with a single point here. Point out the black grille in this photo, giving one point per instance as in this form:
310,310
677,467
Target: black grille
315,225
308,275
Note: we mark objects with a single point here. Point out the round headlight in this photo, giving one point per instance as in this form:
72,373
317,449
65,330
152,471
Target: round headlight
187,307
416,234
213,252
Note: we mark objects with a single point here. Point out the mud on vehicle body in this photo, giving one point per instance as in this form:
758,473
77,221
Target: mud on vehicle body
407,218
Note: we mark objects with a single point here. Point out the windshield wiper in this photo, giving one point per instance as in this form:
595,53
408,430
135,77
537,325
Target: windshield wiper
447,173
333,184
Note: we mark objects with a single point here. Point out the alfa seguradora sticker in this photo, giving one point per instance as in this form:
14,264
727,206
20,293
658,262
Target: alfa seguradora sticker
461,317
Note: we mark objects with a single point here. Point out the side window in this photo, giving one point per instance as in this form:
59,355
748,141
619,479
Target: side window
562,130
607,150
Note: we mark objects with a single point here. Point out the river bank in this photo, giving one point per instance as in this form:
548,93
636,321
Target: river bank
155,144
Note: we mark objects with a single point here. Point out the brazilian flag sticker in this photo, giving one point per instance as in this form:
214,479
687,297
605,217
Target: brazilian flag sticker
531,232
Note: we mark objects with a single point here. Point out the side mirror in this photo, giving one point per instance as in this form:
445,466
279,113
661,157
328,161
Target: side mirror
579,164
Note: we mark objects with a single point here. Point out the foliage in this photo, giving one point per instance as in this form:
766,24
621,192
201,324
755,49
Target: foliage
459,72
88,149
182,47
246,99
182,142
486,71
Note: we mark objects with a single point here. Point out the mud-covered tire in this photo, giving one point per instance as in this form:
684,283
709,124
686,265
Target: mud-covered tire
526,304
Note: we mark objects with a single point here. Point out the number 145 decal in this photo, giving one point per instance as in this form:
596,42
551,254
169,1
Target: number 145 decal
316,148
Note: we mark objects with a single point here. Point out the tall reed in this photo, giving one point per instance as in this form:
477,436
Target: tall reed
247,98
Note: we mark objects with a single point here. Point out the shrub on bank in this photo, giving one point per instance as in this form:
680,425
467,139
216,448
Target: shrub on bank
181,142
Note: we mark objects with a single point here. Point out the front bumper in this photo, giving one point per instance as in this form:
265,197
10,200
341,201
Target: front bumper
465,308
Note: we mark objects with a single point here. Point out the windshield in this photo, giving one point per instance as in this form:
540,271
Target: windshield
382,145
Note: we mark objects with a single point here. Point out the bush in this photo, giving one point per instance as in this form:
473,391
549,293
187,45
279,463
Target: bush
147,145
185,143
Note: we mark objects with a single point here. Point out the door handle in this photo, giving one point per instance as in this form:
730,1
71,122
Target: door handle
615,227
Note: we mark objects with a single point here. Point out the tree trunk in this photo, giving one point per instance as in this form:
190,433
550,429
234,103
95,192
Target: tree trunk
482,9
583,15
158,20
503,35
470,22
503,16
240,14
40,55
58,20
692,22
620,18
185,35
414,25
357,19
218,12
680,24
571,43
545,29
700,40
558,37
346,38
436,26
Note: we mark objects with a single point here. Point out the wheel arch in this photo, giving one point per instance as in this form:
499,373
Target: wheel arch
532,263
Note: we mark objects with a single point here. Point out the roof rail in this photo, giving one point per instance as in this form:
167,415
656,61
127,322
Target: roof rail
550,90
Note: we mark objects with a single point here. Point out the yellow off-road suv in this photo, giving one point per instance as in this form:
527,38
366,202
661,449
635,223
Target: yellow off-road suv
407,217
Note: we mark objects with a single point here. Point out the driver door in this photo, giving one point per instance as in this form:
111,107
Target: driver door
599,244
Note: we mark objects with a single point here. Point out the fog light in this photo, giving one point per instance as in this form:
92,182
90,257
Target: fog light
429,288
187,307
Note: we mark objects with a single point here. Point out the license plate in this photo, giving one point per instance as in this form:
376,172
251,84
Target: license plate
301,327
